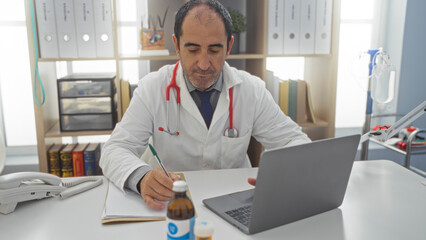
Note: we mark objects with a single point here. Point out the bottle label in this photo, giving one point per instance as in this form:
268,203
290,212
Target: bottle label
180,229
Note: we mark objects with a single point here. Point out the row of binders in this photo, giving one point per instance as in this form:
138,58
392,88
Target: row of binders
74,28
299,26
293,97
74,160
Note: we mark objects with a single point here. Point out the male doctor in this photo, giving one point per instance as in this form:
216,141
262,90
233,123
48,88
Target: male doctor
202,38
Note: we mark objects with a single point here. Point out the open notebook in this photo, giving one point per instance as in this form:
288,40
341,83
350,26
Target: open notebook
129,207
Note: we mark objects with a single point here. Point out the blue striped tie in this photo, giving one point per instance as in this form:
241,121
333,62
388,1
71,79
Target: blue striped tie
206,108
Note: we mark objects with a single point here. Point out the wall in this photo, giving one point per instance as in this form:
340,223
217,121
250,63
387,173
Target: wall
412,87
391,38
404,38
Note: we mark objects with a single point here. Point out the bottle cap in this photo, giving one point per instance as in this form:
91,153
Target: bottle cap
203,228
179,186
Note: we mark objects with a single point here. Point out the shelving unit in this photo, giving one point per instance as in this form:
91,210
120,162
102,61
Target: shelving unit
320,73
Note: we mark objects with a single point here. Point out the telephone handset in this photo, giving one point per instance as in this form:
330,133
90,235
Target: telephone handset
26,186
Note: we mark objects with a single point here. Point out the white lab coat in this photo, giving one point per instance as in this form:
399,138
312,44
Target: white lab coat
255,114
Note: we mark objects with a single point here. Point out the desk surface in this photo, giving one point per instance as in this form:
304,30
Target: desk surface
383,201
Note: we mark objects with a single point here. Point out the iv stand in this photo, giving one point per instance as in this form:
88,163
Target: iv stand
369,109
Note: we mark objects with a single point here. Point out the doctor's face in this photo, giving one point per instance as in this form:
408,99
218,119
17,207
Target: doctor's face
202,47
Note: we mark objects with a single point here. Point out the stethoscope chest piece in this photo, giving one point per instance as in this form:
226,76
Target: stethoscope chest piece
231,133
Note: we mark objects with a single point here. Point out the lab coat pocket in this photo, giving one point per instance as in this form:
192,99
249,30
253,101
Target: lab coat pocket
234,151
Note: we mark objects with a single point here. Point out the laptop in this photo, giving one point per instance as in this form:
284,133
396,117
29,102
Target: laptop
293,183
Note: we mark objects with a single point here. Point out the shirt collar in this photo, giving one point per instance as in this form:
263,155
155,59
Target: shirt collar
216,86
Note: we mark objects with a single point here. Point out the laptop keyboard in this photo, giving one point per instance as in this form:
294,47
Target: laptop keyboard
242,214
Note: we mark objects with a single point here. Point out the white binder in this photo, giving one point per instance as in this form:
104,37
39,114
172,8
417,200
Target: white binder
275,27
85,28
323,27
103,28
46,24
291,26
307,26
67,39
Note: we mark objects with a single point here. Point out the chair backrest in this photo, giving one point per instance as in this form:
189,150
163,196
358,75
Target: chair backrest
254,150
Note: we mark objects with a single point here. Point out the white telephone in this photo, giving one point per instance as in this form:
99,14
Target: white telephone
26,186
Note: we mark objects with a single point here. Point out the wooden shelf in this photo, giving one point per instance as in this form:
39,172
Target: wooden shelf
172,56
73,59
318,123
246,56
320,73
298,55
54,132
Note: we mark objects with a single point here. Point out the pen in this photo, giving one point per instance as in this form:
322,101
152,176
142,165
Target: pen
158,159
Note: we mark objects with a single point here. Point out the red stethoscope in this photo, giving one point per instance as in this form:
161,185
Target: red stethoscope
229,132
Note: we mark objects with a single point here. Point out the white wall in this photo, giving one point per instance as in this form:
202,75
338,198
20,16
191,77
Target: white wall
391,38
412,86
404,38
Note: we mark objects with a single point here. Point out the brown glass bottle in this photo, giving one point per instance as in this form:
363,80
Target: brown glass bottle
180,214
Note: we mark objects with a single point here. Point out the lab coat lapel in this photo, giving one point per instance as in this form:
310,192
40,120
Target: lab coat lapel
222,107
229,80
186,99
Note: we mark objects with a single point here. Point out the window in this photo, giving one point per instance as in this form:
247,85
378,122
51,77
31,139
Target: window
294,67
358,34
15,79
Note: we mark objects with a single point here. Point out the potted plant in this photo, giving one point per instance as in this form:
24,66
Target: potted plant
238,26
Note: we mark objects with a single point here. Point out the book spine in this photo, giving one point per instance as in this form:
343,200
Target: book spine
90,163
78,163
54,164
284,97
125,95
309,105
97,159
66,162
292,100
301,101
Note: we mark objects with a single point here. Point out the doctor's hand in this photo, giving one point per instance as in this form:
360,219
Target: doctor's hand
156,186
252,181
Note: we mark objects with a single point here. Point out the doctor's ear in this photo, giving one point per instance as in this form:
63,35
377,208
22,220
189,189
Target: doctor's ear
230,43
175,42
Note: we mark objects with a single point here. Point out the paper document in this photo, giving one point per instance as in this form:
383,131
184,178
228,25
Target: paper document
129,206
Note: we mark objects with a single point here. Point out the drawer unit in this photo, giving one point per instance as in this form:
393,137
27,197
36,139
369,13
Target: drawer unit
85,88
86,102
85,105
87,122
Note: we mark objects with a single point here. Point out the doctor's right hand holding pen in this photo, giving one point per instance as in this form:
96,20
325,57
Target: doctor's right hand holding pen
156,186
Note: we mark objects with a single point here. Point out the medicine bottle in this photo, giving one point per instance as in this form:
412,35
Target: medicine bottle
203,230
180,214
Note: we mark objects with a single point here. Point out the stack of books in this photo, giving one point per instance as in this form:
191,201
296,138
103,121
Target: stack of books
293,97
75,159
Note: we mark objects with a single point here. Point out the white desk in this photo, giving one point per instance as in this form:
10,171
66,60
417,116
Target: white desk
383,201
